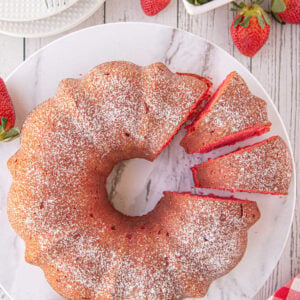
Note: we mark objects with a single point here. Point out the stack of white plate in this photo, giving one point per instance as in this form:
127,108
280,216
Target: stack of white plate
39,18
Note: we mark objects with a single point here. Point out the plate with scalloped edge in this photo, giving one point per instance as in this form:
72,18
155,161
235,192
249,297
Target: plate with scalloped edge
62,21
29,10
37,79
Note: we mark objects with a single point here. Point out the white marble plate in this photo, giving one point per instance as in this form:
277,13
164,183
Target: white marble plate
37,79
28,10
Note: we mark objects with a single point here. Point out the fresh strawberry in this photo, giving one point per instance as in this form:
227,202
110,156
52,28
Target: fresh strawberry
7,115
153,7
286,11
251,27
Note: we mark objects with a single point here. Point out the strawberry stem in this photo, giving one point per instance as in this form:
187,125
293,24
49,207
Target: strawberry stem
7,135
248,11
3,124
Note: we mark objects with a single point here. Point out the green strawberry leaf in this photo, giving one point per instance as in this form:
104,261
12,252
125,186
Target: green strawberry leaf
238,5
237,21
7,135
260,21
277,18
278,6
266,17
3,124
10,134
246,21
235,4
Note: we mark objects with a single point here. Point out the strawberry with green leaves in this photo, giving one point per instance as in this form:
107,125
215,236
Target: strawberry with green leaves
251,27
7,116
153,7
286,11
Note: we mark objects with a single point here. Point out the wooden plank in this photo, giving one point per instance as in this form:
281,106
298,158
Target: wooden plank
11,54
32,45
130,10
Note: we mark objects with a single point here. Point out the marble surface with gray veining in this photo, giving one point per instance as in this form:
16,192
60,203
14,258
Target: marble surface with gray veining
136,186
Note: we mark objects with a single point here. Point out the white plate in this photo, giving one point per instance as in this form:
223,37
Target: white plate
28,10
55,24
73,55
200,9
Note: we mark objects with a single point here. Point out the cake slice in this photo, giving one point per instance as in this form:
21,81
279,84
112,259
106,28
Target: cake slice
207,236
265,167
232,114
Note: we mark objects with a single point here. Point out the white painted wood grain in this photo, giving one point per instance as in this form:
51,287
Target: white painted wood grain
130,10
277,67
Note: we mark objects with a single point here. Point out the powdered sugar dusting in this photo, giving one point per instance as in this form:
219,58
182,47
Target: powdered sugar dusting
237,109
176,250
58,202
231,110
265,167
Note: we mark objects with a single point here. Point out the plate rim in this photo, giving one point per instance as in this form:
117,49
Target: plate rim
270,101
48,33
19,20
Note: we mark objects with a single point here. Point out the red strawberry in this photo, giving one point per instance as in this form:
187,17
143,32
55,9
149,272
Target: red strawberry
287,11
7,115
153,7
250,29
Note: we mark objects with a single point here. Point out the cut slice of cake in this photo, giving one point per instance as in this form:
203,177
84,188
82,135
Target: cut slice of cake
265,167
232,114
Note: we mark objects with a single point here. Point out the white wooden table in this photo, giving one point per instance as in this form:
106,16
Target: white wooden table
277,67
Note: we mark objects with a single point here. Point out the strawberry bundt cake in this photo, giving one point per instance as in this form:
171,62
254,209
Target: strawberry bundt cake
58,201
265,167
232,114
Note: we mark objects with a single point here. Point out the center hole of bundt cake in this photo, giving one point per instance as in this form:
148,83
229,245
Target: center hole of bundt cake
129,187
135,186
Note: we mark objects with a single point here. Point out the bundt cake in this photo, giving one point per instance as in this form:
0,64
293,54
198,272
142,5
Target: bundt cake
232,114
58,201
265,167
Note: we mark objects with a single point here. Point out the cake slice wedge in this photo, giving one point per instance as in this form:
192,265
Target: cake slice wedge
265,167
232,114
